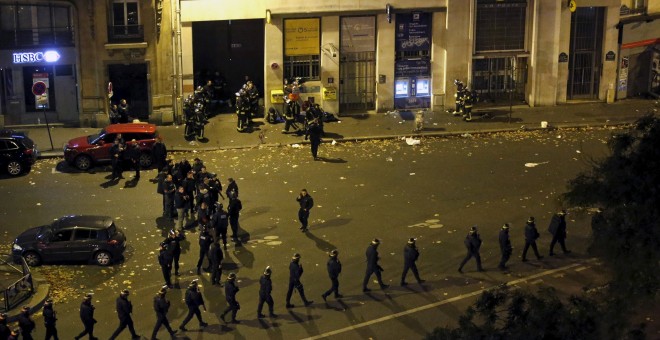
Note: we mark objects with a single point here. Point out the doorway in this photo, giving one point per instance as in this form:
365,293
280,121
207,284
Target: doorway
130,82
357,68
585,62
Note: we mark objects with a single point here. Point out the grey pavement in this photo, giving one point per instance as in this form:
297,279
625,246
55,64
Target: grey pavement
221,132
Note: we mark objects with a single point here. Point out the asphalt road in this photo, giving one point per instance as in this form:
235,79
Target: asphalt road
387,189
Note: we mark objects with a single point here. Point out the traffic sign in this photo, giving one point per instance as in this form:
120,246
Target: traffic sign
39,88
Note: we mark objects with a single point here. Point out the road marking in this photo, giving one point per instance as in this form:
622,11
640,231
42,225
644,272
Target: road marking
535,282
580,269
443,302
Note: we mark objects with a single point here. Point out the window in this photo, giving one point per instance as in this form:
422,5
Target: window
31,74
83,234
125,21
500,25
36,25
302,48
63,235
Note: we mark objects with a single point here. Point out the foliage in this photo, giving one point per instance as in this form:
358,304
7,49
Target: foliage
626,188
506,313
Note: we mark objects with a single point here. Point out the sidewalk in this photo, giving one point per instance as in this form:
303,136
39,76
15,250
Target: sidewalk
221,131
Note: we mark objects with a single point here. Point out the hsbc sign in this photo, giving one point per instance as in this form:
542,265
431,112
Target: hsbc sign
36,57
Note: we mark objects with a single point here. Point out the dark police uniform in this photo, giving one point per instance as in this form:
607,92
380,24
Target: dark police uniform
505,246
265,289
230,294
50,319
87,318
220,222
26,324
234,210
205,241
334,269
124,309
372,266
410,256
557,228
215,258
473,244
314,133
116,155
161,306
306,203
165,261
194,299
531,234
295,272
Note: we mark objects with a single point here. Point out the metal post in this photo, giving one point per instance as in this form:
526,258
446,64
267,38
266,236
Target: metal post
48,128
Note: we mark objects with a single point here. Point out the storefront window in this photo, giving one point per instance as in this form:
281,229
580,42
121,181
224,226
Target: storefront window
302,54
31,75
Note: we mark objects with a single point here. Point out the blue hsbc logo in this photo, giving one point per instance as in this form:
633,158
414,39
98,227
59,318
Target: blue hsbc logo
36,57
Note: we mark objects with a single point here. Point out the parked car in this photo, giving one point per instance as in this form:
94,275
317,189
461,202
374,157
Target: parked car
83,152
17,152
93,239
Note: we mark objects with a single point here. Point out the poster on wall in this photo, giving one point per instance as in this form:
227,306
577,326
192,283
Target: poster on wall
623,74
302,37
413,31
41,101
358,34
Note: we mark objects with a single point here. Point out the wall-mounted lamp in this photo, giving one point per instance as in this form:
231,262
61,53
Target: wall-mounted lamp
268,16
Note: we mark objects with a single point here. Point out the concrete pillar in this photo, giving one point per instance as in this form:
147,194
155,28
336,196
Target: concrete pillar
274,60
543,67
459,44
330,62
385,62
439,60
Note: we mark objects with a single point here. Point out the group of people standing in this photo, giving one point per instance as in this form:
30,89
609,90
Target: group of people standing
247,106
119,113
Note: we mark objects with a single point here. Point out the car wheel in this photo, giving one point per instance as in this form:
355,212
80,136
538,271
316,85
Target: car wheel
14,168
32,259
145,160
83,162
103,258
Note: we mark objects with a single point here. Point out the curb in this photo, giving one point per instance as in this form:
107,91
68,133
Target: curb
56,154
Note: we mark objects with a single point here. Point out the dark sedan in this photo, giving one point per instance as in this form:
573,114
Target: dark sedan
78,238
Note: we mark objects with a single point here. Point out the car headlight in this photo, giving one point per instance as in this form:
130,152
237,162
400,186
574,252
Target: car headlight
17,247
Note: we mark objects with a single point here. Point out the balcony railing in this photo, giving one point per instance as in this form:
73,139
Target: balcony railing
125,33
52,36
632,11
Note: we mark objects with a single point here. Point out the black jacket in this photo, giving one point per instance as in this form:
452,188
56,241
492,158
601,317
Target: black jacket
410,255
194,298
25,323
87,313
295,271
232,187
473,242
4,330
265,286
505,242
49,315
557,226
161,306
124,308
531,234
230,291
215,255
334,267
306,202
234,207
220,222
159,152
372,258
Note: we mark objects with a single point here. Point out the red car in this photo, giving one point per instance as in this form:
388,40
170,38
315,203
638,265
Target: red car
84,152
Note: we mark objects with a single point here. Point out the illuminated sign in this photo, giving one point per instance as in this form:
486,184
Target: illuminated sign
36,57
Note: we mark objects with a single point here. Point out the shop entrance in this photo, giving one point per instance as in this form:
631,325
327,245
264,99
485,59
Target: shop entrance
357,68
226,52
585,61
130,82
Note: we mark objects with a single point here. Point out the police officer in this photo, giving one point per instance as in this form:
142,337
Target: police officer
165,261
531,234
87,317
50,318
133,154
306,203
4,329
505,246
334,269
159,152
215,258
161,306
410,256
181,203
372,266
116,151
124,309
265,288
194,299
168,196
190,188
220,222
174,239
295,272
557,228
473,244
231,186
205,241
25,323
234,211
230,294
314,132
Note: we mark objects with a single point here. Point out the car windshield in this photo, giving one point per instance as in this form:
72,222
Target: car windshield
92,138
27,142
45,233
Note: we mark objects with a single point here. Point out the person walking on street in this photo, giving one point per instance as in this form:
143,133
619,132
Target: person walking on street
531,235
314,132
133,154
230,294
159,153
116,151
205,241
372,266
215,258
410,256
161,307
87,318
473,244
220,222
505,246
181,202
50,319
295,272
165,261
265,289
334,269
168,197
124,309
234,211
25,323
175,237
306,203
194,300
557,228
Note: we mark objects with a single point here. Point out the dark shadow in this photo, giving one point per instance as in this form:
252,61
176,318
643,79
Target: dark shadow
332,160
132,183
407,115
109,183
243,255
320,243
164,223
433,129
203,140
356,116
335,222
332,135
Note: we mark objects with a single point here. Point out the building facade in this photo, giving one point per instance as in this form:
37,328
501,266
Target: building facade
366,56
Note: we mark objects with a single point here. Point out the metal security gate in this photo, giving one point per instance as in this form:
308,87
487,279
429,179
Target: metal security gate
499,80
585,61
357,90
